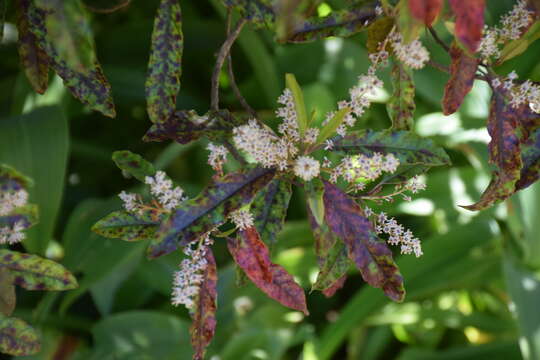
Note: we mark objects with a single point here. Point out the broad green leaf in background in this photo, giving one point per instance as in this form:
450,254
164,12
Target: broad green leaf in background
402,104
37,145
7,292
17,338
165,65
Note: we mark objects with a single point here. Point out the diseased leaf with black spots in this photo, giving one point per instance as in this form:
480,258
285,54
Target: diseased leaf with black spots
462,73
252,255
17,338
133,164
129,226
259,12
165,65
35,273
7,292
269,209
469,22
208,210
370,254
425,10
204,314
33,58
401,105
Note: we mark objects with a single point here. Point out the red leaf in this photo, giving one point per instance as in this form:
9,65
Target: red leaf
462,72
330,291
204,315
469,21
425,10
370,254
252,255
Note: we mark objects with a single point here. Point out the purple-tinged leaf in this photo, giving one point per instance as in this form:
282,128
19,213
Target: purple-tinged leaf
401,105
462,73
17,338
7,292
208,210
338,284
252,255
133,164
204,315
165,65
129,226
25,216
370,254
259,12
469,22
530,157
425,10
34,60
35,273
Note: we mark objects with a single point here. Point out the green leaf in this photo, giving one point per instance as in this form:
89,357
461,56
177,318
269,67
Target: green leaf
37,143
7,292
333,267
518,46
11,179
208,210
133,164
128,226
409,27
33,58
35,273
259,12
314,194
165,65
299,104
377,32
330,128
88,84
401,105
269,208
17,338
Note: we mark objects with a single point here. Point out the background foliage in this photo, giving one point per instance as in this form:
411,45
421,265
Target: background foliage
473,294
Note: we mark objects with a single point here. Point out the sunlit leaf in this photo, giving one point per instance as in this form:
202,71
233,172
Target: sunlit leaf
165,65
518,46
17,338
129,226
370,254
252,255
425,10
401,105
133,164
299,104
208,210
469,22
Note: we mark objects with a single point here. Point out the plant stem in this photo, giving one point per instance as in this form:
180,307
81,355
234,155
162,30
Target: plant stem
108,10
438,39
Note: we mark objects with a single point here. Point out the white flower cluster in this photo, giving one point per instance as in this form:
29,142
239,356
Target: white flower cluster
217,157
12,234
287,112
364,167
9,201
187,281
242,218
415,185
512,26
306,168
397,234
414,54
526,92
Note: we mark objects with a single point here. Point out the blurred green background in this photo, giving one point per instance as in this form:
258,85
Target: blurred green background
475,294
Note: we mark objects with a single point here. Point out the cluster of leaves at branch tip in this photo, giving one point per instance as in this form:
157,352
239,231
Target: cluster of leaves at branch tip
28,271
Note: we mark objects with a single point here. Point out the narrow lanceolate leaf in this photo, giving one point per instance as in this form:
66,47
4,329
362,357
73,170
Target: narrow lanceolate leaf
462,72
88,85
370,254
165,66
299,104
269,209
34,60
252,255
35,273
469,22
7,292
504,150
425,10
259,12
340,23
133,164
210,209
401,105
329,129
416,155
518,46
17,338
204,315
129,226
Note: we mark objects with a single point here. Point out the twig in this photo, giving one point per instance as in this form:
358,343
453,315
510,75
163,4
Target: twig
438,66
438,39
222,55
237,156
109,10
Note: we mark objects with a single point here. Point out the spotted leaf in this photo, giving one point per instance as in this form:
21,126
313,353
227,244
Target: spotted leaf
129,226
469,22
133,164
17,338
252,255
7,292
35,273
370,254
259,12
24,216
210,209
401,105
530,157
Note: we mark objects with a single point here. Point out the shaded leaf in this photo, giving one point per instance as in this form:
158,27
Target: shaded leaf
425,10
7,292
530,157
89,86
259,12
208,210
34,60
128,226
165,65
518,46
133,164
35,273
204,315
17,338
338,284
469,22
401,105
252,255
377,32
462,73
269,209
370,254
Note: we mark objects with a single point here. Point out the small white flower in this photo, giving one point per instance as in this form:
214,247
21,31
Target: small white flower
306,168
242,218
217,157
130,201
